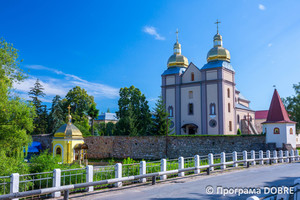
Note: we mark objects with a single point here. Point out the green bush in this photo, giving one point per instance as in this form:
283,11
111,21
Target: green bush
239,132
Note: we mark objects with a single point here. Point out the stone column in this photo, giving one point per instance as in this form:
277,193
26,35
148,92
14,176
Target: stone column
245,158
286,156
234,158
197,164
253,157
163,168
143,168
118,174
268,156
181,166
56,182
261,156
292,155
14,183
280,156
275,156
223,160
89,177
211,161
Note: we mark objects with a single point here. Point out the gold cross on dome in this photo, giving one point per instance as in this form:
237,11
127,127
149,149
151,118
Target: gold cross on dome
177,35
217,22
69,108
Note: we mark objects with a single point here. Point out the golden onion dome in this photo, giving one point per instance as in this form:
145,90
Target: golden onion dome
177,60
218,52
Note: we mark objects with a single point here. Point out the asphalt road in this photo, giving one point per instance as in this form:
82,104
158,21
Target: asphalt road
192,188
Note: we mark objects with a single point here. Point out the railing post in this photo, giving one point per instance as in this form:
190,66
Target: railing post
163,168
286,156
245,158
181,166
89,177
196,164
118,174
280,156
211,161
14,183
261,156
143,167
275,156
56,182
296,155
223,160
297,189
234,158
268,156
253,157
292,155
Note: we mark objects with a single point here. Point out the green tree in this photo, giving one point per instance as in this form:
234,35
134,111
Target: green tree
16,115
93,112
292,105
134,113
57,115
41,119
160,125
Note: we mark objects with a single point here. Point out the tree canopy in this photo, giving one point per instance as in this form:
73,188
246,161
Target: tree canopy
292,105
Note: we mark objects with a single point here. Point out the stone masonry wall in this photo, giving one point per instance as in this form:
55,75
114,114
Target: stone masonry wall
158,147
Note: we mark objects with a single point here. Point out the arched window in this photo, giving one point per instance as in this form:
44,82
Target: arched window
212,109
192,76
228,93
170,110
191,109
276,131
291,131
230,126
190,94
228,107
238,118
58,151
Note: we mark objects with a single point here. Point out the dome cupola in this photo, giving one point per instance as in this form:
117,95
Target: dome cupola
218,52
177,60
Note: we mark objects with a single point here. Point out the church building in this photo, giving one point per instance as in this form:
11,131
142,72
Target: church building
205,101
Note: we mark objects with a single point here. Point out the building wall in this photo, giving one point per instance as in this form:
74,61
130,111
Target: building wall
258,125
196,101
284,135
212,97
155,147
229,116
243,113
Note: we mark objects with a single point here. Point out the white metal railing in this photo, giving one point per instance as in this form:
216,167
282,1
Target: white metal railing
141,171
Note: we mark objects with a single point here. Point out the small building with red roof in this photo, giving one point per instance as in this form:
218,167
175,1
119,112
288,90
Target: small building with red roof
278,127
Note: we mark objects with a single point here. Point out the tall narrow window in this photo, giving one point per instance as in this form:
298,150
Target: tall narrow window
230,126
190,94
170,110
238,118
228,93
212,109
228,107
192,76
276,131
191,109
291,131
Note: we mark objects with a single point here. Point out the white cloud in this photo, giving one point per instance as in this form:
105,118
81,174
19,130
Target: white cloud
61,86
152,31
270,44
261,7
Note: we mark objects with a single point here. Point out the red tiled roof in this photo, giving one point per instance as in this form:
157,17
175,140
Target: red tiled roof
277,112
261,114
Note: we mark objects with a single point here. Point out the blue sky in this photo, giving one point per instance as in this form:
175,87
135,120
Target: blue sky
105,45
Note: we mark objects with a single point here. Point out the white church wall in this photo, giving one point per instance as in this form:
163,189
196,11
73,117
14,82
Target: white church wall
170,80
211,75
170,101
196,100
229,114
291,138
212,97
186,78
276,138
242,113
227,76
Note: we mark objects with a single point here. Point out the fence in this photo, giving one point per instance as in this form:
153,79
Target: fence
86,179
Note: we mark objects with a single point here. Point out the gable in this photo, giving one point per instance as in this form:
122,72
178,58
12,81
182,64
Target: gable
187,76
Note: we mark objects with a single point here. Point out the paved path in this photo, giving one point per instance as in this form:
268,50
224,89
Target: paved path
192,188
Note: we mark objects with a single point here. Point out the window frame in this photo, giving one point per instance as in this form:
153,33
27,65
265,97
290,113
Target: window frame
192,76
190,109
276,128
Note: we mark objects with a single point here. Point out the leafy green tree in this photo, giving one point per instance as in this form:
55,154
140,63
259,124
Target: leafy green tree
110,129
57,115
134,113
160,125
292,105
41,119
93,112
239,132
105,129
16,115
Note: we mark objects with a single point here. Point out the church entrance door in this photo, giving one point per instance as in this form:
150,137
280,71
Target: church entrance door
191,131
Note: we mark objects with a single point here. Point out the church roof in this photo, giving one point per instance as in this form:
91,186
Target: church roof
261,114
68,130
174,70
277,112
218,63
242,97
240,106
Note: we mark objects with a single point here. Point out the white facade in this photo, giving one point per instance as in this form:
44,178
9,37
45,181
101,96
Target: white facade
286,135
